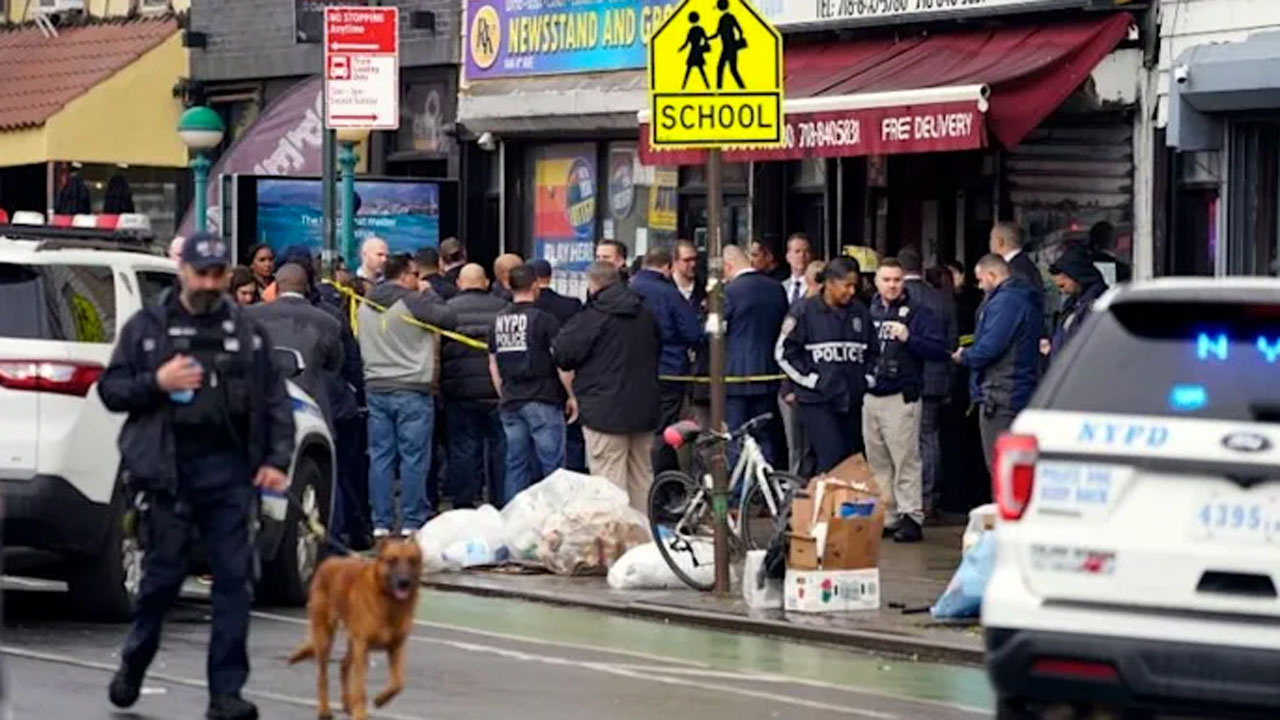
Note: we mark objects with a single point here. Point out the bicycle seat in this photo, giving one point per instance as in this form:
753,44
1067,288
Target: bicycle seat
681,433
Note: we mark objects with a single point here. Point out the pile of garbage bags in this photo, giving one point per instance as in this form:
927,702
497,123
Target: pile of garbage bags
569,524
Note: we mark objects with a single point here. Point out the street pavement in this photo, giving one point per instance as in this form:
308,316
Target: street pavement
478,658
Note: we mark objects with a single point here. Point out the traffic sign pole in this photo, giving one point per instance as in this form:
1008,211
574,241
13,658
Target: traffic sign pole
715,322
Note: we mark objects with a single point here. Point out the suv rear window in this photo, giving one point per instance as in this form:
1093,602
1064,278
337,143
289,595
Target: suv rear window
76,303
1210,360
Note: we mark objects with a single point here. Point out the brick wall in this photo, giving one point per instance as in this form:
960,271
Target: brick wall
253,39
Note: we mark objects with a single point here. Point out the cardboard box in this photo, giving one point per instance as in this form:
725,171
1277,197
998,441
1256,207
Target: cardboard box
803,552
820,538
824,591
852,543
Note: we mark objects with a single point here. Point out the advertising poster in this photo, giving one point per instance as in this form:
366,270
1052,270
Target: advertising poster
405,214
662,200
512,38
564,213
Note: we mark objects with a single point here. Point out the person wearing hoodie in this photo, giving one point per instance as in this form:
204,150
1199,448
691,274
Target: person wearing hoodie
401,364
612,348
680,329
1080,282
1004,359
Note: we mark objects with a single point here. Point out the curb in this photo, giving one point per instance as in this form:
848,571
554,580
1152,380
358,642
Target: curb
861,640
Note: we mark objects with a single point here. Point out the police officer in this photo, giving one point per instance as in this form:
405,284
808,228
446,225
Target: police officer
907,335
209,418
824,348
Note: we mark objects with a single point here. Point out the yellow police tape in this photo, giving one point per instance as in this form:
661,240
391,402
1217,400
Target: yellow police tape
966,340
357,297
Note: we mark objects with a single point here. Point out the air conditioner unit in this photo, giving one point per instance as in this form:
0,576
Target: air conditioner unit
57,6
153,7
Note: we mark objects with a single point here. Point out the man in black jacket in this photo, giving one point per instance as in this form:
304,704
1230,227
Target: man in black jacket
477,443
937,375
908,336
612,348
428,261
562,309
1006,241
209,418
825,347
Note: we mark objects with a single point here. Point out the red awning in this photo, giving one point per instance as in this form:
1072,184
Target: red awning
927,93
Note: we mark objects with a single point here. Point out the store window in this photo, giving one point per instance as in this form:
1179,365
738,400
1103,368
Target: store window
1253,231
561,187
623,220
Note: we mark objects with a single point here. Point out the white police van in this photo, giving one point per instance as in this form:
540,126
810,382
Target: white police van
1138,546
65,293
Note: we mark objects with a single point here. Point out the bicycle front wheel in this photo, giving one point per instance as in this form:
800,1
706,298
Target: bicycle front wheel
765,510
683,526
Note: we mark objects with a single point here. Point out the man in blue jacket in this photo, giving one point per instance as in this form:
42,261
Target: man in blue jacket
679,329
908,336
754,307
1003,358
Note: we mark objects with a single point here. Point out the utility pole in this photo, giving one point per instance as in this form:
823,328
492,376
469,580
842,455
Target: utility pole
715,326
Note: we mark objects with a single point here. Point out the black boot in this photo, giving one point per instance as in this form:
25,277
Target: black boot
125,687
908,531
231,707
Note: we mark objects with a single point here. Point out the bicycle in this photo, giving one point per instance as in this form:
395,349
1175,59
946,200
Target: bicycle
681,515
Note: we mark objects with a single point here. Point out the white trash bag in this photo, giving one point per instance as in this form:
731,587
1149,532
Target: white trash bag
586,537
462,538
527,513
643,568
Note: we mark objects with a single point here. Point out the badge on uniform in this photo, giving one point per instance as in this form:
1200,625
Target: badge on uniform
857,325
902,311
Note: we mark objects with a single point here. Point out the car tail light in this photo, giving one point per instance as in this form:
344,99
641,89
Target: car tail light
1076,669
51,376
1014,473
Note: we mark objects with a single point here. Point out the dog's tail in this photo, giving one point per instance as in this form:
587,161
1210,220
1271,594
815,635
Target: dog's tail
304,651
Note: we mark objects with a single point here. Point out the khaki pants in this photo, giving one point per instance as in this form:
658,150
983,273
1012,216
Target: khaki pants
891,429
625,461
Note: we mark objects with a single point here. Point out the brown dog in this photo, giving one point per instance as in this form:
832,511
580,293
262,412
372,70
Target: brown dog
374,600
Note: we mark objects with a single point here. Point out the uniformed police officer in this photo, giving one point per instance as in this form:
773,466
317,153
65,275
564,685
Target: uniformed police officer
824,348
908,335
209,418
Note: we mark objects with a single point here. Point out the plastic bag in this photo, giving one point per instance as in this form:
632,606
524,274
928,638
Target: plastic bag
469,529
981,519
586,537
963,596
643,568
760,590
526,514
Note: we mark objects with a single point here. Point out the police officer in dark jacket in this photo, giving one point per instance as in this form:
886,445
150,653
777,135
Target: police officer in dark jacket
908,336
680,329
825,348
477,443
209,418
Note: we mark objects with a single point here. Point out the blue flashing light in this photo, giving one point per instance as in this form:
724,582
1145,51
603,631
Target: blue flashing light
1188,398
1215,345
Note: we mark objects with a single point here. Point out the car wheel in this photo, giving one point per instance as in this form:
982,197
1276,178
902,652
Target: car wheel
286,578
103,587
1012,709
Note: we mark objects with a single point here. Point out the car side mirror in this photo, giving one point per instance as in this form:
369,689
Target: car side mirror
288,362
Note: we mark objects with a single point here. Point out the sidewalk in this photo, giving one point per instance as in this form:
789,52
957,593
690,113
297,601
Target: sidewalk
911,575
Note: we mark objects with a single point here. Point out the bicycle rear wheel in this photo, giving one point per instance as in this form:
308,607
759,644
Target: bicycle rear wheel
758,524
683,527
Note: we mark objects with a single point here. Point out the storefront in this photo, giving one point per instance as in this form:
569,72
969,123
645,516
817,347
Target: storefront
1224,123
102,138
924,134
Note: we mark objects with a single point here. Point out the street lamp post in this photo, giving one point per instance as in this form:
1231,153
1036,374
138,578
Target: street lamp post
347,159
201,130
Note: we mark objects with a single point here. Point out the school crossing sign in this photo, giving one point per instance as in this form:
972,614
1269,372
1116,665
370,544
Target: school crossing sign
715,77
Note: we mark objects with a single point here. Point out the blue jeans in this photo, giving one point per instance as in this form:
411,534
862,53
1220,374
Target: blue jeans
477,452
536,427
400,425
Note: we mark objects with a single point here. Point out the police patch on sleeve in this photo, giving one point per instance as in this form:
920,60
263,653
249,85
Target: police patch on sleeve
788,325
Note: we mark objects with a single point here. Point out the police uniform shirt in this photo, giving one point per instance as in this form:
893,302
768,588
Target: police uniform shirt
521,345
216,417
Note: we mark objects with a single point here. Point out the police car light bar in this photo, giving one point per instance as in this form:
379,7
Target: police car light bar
136,222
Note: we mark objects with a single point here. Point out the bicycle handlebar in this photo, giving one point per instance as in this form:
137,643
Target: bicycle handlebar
710,436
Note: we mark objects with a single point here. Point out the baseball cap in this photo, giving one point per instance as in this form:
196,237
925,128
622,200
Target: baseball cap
205,250
541,268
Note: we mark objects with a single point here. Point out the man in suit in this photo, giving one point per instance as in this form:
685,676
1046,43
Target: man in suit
292,322
1006,241
754,307
687,275
937,374
561,308
799,253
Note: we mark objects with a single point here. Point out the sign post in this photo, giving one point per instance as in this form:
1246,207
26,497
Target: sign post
715,81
